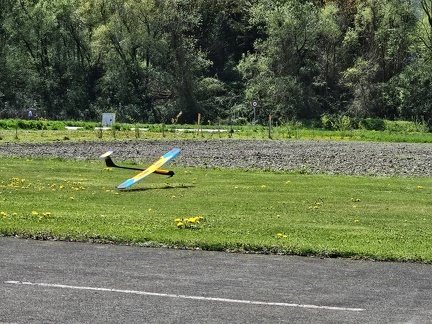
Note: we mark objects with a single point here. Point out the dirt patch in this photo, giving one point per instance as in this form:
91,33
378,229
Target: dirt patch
329,157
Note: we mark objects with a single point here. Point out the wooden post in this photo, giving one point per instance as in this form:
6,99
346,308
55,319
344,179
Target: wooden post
269,126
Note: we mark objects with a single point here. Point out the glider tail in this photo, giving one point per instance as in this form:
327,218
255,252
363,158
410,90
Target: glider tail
110,164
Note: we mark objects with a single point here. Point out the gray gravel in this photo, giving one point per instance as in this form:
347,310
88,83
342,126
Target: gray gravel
329,157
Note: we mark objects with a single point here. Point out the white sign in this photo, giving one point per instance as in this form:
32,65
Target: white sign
108,119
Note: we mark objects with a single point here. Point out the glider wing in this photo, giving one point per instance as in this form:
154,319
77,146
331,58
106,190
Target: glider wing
152,168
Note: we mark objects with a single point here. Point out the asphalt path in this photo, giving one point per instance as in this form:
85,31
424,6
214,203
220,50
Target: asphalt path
61,282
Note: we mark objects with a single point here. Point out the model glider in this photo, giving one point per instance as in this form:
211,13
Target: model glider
154,168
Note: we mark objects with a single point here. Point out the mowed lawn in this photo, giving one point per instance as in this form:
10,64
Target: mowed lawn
383,218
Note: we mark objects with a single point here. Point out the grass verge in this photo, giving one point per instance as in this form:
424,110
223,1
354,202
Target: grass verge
231,210
216,132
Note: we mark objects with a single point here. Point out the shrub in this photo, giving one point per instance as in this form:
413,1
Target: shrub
336,122
376,124
402,127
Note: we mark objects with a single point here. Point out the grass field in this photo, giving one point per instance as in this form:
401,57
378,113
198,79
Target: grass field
384,218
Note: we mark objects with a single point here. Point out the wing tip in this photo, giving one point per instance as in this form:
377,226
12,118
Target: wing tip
106,154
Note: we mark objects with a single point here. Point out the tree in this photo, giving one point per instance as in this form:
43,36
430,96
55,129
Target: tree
150,59
380,36
223,34
47,57
415,83
281,73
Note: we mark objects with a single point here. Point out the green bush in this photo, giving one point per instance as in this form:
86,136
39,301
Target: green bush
336,122
401,126
326,122
376,124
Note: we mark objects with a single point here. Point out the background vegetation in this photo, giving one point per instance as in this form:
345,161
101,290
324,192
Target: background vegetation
150,60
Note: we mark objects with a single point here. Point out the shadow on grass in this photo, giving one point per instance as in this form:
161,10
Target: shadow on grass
161,187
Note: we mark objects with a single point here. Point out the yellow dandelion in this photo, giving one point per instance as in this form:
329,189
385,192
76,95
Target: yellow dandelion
420,187
356,221
35,213
72,198
263,186
180,224
177,220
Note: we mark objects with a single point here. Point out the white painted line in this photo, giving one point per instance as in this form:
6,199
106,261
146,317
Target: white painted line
225,300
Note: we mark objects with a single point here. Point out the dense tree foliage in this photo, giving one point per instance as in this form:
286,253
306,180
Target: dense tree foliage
149,60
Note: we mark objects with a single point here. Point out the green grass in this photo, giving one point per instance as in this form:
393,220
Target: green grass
158,131
268,212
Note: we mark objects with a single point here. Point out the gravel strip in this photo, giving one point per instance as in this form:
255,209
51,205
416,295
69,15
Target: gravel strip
327,157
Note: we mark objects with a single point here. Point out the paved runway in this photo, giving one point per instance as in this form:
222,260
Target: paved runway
59,282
